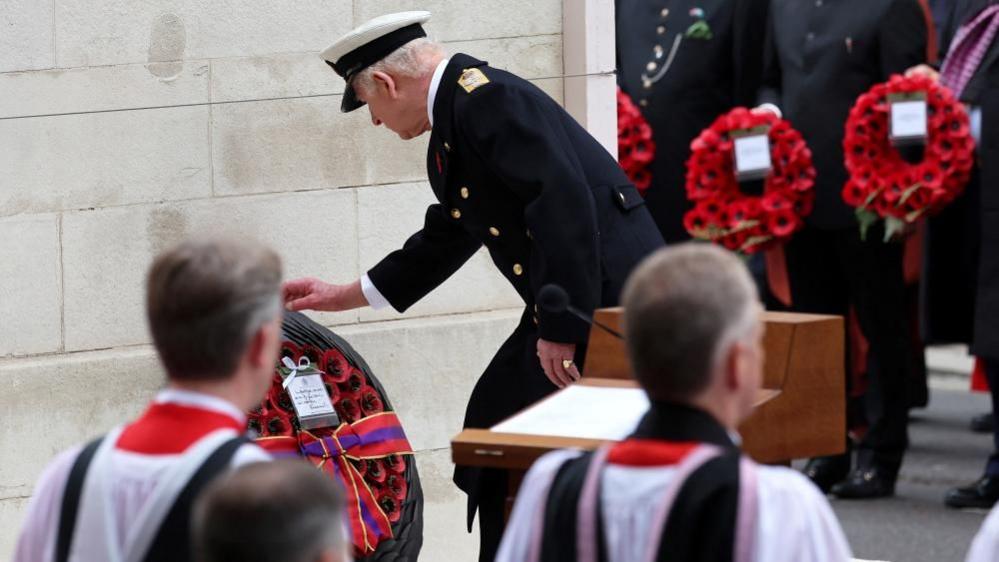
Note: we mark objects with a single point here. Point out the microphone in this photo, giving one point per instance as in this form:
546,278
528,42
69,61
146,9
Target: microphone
555,300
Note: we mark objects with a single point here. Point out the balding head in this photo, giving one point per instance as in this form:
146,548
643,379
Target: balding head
684,308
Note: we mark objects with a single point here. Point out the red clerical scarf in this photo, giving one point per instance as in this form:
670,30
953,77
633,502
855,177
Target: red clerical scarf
169,428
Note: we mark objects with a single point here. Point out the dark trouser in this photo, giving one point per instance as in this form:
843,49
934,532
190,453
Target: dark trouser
512,381
828,272
992,375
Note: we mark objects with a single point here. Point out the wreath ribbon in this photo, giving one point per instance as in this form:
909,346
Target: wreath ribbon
303,365
373,437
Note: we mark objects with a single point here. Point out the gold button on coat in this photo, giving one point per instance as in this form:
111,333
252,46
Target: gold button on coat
494,231
464,193
455,214
518,269
447,147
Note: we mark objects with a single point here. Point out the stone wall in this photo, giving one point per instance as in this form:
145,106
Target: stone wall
128,125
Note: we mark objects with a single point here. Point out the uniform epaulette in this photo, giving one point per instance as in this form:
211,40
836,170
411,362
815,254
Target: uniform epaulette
471,79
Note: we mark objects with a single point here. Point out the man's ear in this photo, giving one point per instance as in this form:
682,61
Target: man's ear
732,365
257,351
385,84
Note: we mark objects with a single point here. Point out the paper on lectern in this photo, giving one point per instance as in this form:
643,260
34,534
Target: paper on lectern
586,412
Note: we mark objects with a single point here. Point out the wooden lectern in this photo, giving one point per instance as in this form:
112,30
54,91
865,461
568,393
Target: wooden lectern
800,412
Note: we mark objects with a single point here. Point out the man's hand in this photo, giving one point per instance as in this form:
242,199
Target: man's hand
765,108
312,294
552,354
924,70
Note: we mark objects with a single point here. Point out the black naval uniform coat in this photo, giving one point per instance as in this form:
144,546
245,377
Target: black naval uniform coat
820,55
511,170
682,84
961,266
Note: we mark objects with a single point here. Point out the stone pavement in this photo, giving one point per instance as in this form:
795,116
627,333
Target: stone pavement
915,526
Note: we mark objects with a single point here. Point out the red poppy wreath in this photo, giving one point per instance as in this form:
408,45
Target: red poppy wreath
634,142
366,450
881,184
722,212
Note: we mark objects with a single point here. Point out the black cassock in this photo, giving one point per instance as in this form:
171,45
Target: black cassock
704,513
682,82
514,172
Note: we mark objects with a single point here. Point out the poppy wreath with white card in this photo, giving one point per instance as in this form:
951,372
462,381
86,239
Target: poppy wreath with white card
745,145
882,185
360,443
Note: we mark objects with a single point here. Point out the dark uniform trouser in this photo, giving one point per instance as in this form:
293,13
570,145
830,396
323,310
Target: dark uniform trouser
512,381
829,270
992,375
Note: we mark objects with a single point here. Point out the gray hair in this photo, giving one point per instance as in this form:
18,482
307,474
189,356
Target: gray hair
206,299
684,308
280,511
410,60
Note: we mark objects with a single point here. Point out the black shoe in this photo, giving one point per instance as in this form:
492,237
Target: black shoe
866,483
826,471
983,493
983,423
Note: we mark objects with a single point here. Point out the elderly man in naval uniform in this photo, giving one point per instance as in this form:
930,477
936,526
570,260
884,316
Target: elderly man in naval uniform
512,171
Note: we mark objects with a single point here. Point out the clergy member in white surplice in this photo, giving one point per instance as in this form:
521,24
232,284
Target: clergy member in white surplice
214,311
678,488
985,546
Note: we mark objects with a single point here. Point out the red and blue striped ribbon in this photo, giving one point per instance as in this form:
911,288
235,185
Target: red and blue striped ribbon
373,437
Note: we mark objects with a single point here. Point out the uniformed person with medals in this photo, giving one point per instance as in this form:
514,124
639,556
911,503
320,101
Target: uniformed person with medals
678,488
513,172
820,56
684,63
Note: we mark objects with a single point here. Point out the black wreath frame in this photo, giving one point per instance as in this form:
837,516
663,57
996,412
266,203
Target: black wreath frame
407,532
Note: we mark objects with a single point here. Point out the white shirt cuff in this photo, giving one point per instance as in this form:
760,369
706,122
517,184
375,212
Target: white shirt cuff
975,118
772,109
375,298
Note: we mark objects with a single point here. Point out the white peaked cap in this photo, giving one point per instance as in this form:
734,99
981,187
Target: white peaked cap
370,43
371,30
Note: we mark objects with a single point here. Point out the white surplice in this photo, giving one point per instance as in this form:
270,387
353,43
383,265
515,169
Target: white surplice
129,480
794,524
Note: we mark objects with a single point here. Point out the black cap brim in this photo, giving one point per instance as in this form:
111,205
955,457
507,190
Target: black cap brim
350,100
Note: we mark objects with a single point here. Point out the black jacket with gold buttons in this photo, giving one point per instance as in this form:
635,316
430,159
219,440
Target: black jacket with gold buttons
512,170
